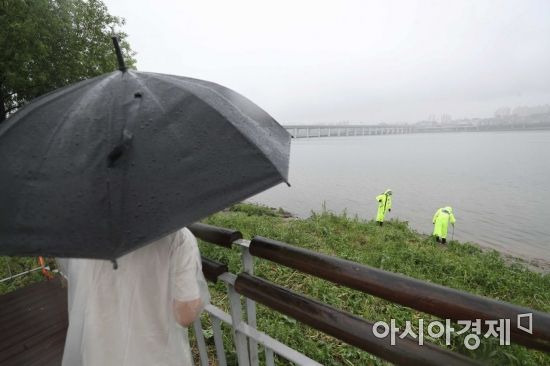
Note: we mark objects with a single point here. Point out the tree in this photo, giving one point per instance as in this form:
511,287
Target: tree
47,44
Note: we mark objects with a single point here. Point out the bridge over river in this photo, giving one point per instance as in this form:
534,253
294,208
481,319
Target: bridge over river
307,131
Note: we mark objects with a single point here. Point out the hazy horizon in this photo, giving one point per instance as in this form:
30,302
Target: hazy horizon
363,62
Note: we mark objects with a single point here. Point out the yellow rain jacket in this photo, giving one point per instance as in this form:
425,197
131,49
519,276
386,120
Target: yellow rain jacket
384,204
441,221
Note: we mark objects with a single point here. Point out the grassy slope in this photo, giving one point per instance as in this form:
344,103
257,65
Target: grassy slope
394,247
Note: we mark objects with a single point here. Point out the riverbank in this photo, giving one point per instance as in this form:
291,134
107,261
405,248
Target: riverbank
498,186
393,247
534,264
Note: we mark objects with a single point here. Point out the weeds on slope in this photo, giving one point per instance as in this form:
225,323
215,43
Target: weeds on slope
394,247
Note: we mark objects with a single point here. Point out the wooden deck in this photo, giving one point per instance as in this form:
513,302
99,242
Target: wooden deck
33,323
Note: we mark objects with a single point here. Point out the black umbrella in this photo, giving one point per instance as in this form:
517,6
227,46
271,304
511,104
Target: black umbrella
109,164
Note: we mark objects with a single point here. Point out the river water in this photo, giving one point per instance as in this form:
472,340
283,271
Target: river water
498,183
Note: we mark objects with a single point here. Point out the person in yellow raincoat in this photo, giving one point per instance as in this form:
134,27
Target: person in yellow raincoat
441,220
384,205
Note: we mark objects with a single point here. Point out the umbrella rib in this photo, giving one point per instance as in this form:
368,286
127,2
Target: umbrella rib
64,121
150,93
171,77
44,99
124,181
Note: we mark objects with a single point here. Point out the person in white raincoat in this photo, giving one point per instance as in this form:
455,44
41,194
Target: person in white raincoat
137,314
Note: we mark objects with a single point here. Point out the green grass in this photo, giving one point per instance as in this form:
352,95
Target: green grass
393,247
13,265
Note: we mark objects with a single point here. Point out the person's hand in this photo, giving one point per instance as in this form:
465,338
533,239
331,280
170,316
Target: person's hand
185,312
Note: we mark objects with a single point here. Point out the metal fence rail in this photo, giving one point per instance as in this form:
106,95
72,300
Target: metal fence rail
424,296
245,335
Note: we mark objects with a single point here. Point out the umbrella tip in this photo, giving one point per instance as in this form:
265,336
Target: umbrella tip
287,183
121,65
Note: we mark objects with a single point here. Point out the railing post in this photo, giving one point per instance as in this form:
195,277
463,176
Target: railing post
9,268
236,320
203,354
218,340
248,265
269,360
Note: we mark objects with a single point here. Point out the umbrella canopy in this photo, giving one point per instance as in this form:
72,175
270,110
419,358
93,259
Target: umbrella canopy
107,165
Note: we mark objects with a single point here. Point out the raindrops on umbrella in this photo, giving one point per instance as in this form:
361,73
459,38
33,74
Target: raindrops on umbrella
109,164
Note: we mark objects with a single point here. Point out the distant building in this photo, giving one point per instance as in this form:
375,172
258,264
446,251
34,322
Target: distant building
446,118
502,112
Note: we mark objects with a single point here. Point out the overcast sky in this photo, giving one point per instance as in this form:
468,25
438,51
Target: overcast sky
357,61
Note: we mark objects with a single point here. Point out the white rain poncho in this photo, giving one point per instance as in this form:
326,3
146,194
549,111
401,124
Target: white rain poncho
125,316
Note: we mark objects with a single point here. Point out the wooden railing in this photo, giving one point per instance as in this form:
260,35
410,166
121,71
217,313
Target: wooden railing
427,297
